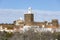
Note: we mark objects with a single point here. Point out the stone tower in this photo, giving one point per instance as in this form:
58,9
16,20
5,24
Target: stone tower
29,17
55,22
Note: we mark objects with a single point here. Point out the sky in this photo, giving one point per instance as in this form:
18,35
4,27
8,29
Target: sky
11,10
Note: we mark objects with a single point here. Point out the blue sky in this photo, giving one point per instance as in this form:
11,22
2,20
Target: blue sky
11,10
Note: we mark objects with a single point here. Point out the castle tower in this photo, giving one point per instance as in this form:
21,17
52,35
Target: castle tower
55,22
29,17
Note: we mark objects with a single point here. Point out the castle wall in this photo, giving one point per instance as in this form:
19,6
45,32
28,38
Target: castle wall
9,26
39,24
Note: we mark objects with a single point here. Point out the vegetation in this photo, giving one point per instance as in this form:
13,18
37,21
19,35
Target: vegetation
5,35
57,35
30,35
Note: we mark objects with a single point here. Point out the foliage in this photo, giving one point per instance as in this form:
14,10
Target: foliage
29,35
5,35
57,35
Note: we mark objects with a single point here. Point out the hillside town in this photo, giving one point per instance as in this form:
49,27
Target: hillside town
28,23
28,29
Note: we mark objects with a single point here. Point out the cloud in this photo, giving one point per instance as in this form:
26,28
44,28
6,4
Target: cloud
9,15
47,15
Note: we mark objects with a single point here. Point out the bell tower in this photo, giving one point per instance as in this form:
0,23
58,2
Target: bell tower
29,17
